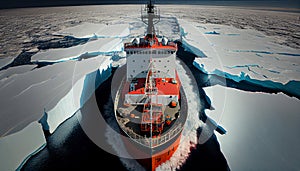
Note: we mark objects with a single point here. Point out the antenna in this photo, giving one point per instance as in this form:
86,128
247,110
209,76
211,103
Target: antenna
150,15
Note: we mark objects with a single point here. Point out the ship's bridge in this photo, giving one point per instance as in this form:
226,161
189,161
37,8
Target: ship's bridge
150,49
150,42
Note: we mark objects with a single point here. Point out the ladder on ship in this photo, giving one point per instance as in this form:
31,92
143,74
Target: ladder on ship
152,118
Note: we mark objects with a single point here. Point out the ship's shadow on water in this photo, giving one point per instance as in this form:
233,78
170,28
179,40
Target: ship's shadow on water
69,148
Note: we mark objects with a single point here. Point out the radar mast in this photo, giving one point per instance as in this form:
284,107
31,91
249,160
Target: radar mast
150,16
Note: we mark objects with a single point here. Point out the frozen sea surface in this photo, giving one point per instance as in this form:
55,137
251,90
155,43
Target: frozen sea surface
240,51
262,129
5,61
101,46
92,30
226,51
40,89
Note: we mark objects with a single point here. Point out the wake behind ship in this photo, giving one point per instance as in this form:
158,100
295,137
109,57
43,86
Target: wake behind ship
150,104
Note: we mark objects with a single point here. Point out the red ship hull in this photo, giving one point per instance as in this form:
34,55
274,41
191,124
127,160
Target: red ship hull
151,163
151,158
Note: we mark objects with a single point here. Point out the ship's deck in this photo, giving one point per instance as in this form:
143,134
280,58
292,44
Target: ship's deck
131,126
133,123
164,85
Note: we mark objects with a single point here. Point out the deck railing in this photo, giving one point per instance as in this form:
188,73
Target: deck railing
177,128
155,141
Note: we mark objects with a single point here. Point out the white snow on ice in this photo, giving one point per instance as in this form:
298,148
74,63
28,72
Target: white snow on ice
92,30
82,89
61,89
22,69
5,61
240,52
45,87
18,147
101,46
262,129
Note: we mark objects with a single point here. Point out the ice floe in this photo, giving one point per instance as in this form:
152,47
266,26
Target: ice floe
101,46
262,128
92,30
246,53
5,61
18,147
47,87
22,69
81,91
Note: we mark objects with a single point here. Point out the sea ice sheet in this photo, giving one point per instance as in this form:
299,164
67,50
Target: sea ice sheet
101,46
16,148
92,30
22,69
236,51
39,89
262,129
80,92
5,61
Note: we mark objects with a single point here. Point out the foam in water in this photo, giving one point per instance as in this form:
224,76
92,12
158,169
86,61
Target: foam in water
189,134
114,139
